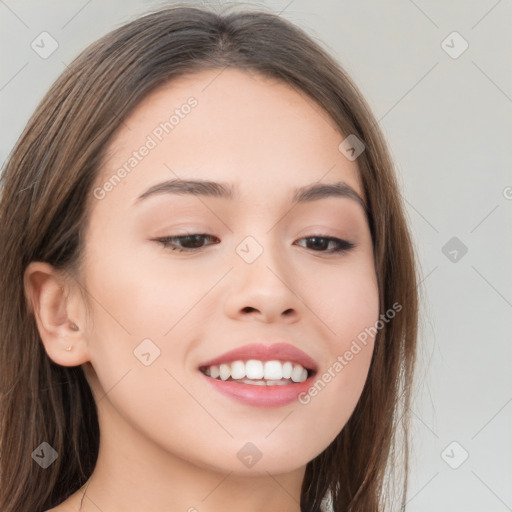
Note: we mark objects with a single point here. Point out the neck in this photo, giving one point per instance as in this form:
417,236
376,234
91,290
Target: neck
132,474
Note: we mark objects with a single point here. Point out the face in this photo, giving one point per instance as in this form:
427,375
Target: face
259,269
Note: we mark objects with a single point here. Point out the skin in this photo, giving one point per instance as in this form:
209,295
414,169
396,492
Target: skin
169,441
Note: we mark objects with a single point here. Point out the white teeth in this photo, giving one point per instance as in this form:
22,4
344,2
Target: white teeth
267,382
287,370
273,370
214,371
255,382
225,371
253,371
237,370
280,382
297,373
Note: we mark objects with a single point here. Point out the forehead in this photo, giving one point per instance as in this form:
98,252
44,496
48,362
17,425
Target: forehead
234,126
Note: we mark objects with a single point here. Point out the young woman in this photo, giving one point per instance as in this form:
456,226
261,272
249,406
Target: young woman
209,293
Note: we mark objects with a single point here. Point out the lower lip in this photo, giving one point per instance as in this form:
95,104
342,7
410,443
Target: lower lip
262,396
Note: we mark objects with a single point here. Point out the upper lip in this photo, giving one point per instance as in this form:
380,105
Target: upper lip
261,352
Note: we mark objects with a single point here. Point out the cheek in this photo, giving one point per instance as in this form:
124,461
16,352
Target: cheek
349,310
346,301
144,309
139,292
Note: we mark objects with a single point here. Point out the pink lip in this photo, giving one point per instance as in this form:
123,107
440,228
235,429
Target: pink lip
275,352
264,396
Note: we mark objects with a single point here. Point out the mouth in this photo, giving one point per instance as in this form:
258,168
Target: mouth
259,373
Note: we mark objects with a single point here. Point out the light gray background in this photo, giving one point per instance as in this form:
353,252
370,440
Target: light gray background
448,123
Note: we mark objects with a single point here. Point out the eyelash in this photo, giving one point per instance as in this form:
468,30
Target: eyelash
343,245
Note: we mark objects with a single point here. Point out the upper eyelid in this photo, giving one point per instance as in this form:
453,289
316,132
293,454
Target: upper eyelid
331,238
208,235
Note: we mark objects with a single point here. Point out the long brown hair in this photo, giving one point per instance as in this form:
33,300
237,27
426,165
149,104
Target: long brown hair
45,200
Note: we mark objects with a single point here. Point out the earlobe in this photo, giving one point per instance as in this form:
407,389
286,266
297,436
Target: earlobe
48,300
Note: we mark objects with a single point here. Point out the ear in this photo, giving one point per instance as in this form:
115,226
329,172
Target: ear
59,313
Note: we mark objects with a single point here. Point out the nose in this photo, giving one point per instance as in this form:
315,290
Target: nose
263,291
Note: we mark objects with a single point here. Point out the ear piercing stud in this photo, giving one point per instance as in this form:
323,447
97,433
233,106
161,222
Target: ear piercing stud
74,327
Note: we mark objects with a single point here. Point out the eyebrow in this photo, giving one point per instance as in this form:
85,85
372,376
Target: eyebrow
306,194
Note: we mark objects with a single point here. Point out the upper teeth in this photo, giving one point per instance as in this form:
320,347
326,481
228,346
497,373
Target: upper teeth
254,369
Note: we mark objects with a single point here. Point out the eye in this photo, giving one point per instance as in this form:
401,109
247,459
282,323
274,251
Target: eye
194,241
189,243
322,242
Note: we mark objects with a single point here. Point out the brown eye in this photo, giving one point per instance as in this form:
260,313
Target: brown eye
196,241
321,244
184,243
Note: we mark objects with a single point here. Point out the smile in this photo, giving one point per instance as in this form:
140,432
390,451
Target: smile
259,373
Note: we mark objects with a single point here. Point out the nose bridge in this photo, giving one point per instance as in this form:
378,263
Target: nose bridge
261,280
263,271
261,241
259,254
